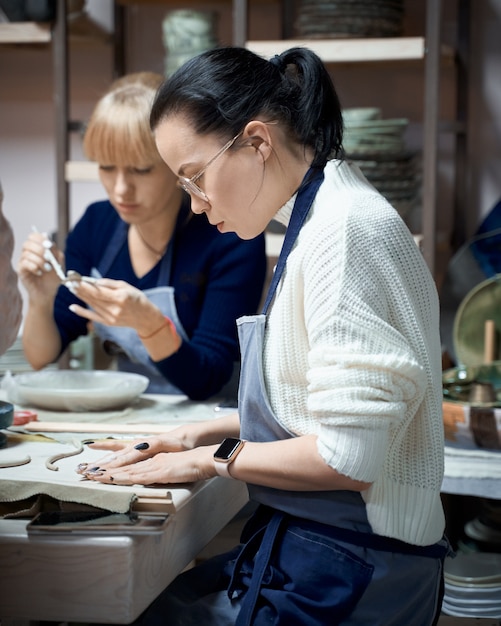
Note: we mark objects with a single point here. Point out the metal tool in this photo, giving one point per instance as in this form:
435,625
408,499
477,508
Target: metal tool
72,276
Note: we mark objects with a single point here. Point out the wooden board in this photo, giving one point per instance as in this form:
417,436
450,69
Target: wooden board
97,427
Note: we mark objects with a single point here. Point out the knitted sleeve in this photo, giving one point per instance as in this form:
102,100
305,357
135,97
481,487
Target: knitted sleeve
367,325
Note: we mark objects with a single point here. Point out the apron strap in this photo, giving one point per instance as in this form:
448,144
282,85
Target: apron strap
306,194
261,562
388,544
119,238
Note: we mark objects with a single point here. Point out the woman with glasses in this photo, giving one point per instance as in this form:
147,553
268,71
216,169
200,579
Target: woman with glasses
166,288
339,432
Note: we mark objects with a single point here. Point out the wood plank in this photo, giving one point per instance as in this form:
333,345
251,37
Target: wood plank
108,579
97,427
25,32
81,171
352,50
447,620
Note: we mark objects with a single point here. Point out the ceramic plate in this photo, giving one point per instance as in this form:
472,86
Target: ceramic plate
76,390
474,568
481,304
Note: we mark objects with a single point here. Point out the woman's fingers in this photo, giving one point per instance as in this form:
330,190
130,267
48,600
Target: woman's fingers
162,468
120,453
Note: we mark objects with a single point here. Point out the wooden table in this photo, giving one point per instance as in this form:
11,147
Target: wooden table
113,578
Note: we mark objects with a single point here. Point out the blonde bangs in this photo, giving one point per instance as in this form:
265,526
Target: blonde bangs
118,132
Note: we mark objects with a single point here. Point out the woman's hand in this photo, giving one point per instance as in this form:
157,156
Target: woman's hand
114,303
146,462
36,274
124,452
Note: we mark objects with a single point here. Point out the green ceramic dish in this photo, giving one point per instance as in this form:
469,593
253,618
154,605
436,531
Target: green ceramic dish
458,382
482,303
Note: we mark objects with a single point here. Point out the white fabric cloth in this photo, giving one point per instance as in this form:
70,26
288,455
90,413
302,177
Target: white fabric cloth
352,353
10,296
463,463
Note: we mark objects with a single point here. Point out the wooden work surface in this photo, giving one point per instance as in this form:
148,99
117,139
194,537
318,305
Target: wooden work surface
112,579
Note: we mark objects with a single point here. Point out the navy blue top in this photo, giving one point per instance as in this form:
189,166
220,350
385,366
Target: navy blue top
217,278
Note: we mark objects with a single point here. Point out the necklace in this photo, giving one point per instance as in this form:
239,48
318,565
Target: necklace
157,253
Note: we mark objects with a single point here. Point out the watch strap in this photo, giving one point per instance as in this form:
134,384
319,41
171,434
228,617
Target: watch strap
222,464
222,469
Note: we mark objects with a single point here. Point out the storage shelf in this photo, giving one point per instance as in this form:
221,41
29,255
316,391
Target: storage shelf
81,171
353,50
25,32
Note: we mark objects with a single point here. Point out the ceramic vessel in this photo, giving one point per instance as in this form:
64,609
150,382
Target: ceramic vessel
187,33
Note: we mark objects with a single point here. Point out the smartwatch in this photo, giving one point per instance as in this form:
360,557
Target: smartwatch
226,454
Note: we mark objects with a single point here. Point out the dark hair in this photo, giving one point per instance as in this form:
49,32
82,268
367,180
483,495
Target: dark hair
222,89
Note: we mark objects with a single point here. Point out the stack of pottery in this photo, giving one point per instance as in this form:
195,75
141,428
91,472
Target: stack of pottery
349,18
377,145
473,585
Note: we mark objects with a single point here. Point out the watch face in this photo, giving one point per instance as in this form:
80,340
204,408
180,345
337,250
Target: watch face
227,448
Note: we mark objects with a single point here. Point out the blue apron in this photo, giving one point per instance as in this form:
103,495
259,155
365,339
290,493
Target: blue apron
131,354
310,557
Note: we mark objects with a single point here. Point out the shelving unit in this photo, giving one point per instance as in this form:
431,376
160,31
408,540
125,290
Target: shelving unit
434,55
427,50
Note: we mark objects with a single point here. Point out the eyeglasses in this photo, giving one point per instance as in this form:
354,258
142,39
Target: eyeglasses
189,184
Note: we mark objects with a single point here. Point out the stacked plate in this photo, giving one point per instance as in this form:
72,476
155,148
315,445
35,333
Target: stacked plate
349,18
378,147
473,585
14,360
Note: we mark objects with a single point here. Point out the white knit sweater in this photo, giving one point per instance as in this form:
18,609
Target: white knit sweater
352,353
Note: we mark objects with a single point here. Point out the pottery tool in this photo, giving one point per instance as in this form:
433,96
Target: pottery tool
71,276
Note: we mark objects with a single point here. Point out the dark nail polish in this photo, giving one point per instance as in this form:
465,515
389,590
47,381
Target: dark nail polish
142,446
87,442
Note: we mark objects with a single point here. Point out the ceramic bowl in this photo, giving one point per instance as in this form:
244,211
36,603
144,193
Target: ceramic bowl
76,390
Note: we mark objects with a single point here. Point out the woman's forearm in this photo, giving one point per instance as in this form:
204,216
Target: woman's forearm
292,464
41,339
208,432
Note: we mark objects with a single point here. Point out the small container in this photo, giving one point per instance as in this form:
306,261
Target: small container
6,414
481,393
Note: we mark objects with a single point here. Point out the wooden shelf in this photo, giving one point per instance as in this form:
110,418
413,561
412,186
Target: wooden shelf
25,32
81,171
353,50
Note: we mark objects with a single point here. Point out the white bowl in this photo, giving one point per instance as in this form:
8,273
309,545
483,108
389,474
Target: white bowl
76,390
361,114
475,568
